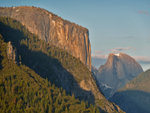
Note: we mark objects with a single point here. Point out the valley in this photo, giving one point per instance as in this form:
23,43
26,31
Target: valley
74,56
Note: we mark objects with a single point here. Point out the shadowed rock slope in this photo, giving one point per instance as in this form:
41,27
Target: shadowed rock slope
24,91
118,70
50,62
54,30
135,96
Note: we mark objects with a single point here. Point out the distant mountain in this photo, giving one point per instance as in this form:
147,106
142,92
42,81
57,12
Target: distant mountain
135,96
141,82
118,70
54,64
97,62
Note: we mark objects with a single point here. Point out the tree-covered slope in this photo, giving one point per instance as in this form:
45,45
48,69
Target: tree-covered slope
22,90
59,67
141,82
53,29
135,96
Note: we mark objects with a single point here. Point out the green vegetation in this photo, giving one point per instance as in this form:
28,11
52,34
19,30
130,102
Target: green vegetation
43,65
135,96
28,44
48,61
22,90
132,101
141,82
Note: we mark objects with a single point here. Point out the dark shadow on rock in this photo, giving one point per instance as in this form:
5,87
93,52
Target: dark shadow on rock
132,101
45,66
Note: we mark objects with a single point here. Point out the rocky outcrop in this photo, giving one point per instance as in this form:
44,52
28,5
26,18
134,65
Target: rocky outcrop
54,30
11,52
65,72
118,70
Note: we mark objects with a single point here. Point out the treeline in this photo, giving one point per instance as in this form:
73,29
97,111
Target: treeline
22,39
22,90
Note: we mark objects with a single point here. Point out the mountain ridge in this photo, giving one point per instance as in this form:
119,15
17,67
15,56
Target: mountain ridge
24,91
54,30
55,64
117,71
134,96
141,82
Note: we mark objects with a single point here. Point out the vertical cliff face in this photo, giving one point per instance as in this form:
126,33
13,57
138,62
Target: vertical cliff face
59,67
54,30
118,70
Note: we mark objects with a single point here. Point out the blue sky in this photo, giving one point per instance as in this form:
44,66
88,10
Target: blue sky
114,25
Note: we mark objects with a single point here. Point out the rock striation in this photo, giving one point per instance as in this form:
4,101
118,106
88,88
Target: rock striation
118,70
54,30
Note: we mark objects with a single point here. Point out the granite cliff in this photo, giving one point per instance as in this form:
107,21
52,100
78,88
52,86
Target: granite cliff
54,30
55,64
118,70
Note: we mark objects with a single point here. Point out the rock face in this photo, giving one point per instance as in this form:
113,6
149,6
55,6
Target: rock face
11,52
54,30
59,67
118,70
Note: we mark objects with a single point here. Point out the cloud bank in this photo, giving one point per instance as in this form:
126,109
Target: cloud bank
142,59
98,60
100,57
121,49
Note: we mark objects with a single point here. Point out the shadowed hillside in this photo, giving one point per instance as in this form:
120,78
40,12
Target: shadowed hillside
53,30
23,91
56,65
135,96
48,61
132,101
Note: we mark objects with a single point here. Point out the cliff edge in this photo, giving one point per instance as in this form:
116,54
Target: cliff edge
54,30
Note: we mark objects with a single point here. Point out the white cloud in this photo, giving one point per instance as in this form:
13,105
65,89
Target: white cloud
98,60
142,59
99,56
